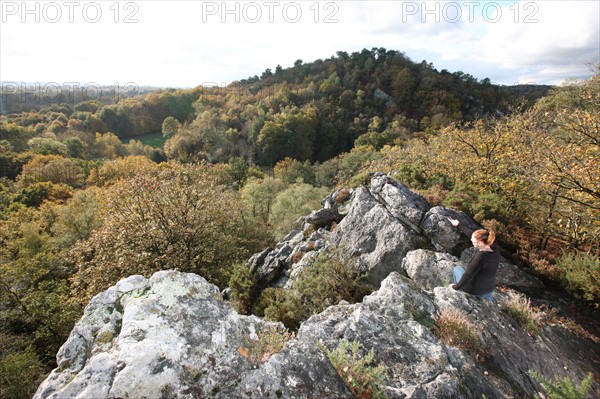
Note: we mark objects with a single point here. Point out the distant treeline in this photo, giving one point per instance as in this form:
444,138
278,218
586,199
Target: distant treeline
311,111
29,96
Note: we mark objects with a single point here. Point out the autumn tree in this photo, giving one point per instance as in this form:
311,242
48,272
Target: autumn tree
51,168
292,171
170,126
47,146
35,313
172,217
289,135
120,169
537,169
564,130
259,196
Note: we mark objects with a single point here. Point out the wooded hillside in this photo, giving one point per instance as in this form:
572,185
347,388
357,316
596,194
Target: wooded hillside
80,209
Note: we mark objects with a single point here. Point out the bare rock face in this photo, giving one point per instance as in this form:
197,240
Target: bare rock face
396,321
174,336
375,237
443,236
375,226
429,269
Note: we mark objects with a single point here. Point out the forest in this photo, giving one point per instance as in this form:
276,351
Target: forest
84,203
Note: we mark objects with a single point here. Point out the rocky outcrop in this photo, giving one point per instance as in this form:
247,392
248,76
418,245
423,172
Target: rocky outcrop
429,269
174,336
375,234
374,226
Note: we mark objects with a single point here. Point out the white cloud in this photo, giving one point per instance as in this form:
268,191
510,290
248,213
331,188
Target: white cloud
565,34
186,43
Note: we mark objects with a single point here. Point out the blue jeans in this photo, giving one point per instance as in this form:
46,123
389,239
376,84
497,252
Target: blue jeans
458,272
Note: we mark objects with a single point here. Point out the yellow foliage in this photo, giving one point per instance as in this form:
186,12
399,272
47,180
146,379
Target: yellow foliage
168,217
543,164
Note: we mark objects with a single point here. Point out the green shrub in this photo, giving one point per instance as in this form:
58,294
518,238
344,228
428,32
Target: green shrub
580,273
481,206
326,173
461,197
326,282
564,388
375,139
292,171
416,177
360,179
454,328
238,170
34,194
491,206
519,307
360,377
243,288
290,204
352,162
258,195
21,372
78,218
282,305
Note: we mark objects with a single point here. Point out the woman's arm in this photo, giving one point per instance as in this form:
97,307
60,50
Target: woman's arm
464,229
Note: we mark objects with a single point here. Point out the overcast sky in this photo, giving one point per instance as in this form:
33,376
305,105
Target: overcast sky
191,43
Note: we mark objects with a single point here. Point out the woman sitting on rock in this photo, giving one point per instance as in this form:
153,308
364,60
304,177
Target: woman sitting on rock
480,276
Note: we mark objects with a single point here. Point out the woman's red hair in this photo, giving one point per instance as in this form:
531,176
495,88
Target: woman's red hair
486,236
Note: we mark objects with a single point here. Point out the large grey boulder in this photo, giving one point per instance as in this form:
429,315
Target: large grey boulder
172,336
374,236
510,353
429,269
443,236
396,322
402,203
372,226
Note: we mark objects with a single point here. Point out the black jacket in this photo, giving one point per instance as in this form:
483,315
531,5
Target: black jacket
480,276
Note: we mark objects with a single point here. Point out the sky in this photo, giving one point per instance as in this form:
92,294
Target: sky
190,43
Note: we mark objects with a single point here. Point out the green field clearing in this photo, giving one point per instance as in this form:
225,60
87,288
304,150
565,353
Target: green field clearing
155,139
